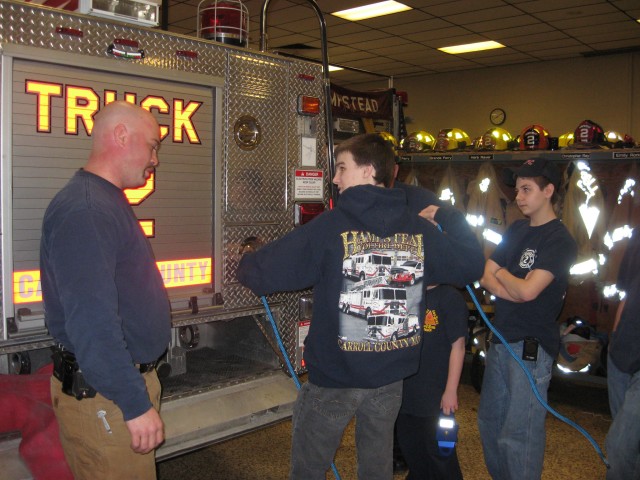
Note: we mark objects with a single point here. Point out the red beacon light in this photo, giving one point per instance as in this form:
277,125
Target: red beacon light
224,22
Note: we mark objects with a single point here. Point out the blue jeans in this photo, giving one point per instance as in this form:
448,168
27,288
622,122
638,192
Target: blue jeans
623,439
510,418
320,416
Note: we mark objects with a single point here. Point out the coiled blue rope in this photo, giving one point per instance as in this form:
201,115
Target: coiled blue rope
285,355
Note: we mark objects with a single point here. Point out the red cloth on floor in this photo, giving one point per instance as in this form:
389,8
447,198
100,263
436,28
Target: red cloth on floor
25,405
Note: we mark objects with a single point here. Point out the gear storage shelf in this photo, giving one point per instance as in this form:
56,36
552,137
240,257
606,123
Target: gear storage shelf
519,156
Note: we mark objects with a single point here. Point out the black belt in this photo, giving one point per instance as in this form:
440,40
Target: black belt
142,367
147,367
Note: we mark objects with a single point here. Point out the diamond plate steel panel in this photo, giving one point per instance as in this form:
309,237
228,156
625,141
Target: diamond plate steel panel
36,27
256,180
258,184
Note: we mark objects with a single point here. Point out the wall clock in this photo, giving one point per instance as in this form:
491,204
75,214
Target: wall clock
497,116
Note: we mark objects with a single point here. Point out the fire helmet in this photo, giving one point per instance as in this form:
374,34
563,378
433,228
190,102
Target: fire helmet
390,139
452,139
588,134
418,141
616,140
534,137
495,139
565,140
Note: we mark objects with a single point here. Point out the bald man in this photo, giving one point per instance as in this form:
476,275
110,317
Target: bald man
106,305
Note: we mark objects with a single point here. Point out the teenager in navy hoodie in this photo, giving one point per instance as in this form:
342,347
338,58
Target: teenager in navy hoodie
368,261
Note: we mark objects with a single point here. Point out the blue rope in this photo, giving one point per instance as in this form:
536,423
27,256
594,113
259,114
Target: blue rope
285,355
533,383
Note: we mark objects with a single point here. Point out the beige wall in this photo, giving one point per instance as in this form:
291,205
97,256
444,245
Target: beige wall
558,95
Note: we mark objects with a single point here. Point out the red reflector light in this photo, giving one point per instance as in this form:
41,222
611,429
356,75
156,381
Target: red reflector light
187,53
307,212
69,31
125,42
308,105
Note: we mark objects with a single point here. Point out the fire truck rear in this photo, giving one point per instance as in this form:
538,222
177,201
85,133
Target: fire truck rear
241,135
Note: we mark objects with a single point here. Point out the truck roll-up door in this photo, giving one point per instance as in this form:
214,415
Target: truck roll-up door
52,108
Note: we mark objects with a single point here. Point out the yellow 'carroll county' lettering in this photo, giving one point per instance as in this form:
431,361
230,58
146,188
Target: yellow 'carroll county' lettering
26,286
182,121
180,273
175,273
44,92
82,104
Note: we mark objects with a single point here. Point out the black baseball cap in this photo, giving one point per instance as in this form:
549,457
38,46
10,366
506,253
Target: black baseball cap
535,167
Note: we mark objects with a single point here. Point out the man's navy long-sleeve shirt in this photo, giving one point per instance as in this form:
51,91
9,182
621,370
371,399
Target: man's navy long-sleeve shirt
104,297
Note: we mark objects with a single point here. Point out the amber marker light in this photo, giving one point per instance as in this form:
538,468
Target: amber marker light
308,105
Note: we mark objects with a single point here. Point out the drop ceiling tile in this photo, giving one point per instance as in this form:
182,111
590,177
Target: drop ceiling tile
591,21
630,44
435,35
361,37
349,57
349,28
540,6
401,18
521,32
416,27
530,41
289,40
578,11
484,14
456,40
288,15
507,59
444,9
631,28
548,45
309,25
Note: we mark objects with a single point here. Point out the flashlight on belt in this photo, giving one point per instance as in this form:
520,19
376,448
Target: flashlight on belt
447,434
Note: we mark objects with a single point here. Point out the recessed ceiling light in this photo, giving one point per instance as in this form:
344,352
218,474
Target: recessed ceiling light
471,47
373,10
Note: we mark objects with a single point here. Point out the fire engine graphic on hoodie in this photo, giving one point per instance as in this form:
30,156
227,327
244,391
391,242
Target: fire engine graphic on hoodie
381,291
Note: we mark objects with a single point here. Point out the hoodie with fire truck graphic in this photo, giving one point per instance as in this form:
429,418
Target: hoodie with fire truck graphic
368,261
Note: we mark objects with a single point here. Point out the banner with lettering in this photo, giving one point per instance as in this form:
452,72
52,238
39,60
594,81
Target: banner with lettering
353,104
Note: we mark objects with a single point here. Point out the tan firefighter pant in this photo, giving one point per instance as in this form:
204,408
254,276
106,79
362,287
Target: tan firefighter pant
91,451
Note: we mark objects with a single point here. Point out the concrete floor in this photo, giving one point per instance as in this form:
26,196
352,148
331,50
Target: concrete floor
264,454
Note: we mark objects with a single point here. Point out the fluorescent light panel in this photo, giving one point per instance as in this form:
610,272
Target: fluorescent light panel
372,10
471,47
333,68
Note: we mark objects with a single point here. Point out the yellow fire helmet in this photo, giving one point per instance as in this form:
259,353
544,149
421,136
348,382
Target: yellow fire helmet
495,139
618,140
565,140
417,142
452,139
390,139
